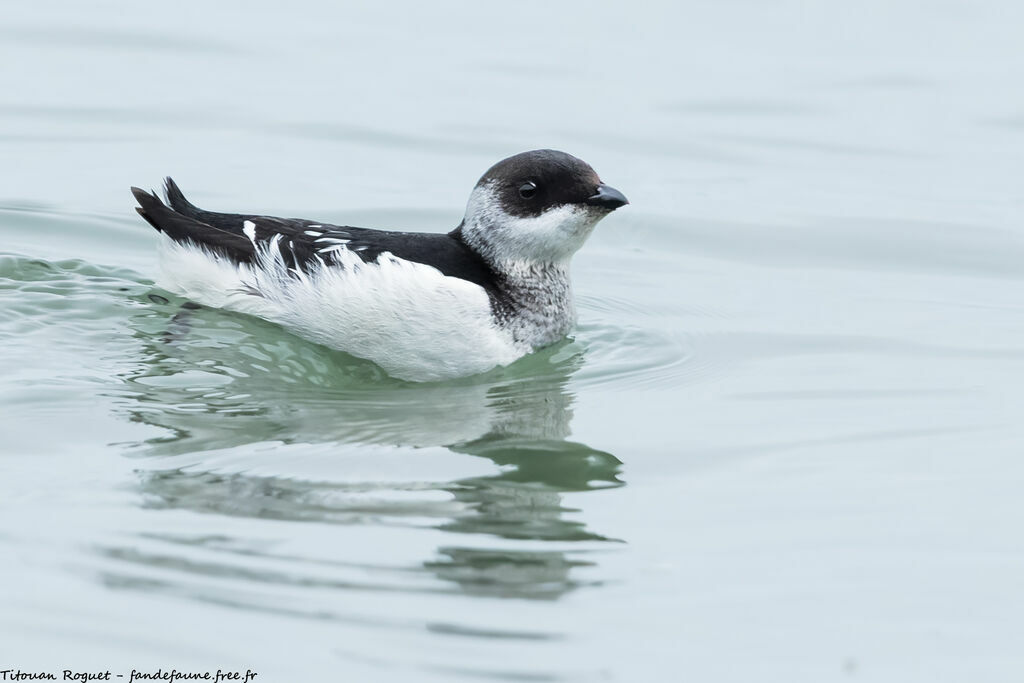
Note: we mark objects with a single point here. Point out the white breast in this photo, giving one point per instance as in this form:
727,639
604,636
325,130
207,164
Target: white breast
409,318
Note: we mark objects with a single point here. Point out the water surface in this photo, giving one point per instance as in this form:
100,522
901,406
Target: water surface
783,444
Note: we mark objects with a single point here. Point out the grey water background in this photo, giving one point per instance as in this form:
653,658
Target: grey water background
785,443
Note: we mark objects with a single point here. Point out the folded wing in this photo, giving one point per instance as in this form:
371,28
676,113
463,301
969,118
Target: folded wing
304,243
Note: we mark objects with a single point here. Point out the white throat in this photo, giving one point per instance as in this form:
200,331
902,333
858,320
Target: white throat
513,242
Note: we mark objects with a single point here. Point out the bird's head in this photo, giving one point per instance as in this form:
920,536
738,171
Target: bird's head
536,207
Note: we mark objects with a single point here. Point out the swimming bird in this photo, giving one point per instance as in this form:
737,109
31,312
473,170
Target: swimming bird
422,306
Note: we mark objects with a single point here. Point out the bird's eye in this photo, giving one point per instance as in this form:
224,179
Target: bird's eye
528,189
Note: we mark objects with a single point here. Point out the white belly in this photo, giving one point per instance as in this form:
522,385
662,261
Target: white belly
406,317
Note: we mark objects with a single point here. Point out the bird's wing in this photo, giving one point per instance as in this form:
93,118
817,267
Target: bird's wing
305,242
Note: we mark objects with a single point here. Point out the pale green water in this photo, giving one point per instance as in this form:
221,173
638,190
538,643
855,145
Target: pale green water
784,444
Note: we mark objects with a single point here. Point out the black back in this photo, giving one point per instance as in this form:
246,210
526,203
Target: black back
306,242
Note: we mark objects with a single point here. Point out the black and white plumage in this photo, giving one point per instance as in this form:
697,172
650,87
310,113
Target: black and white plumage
423,306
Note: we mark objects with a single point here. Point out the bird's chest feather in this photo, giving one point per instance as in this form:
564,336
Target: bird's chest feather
541,297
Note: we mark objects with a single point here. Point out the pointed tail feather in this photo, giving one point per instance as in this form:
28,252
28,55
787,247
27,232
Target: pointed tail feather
183,228
176,198
148,203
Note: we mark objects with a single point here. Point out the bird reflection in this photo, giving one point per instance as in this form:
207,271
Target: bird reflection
215,381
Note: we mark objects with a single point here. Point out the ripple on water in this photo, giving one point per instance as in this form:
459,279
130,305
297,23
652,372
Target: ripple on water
69,303
641,352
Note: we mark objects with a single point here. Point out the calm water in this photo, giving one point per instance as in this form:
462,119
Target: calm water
784,444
